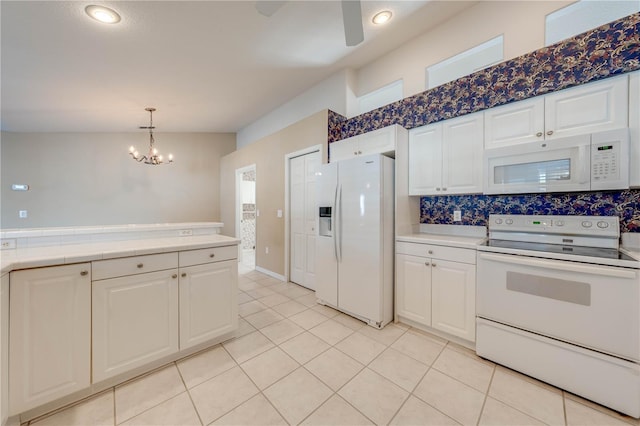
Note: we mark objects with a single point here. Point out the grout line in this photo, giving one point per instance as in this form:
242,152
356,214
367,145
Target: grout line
486,394
187,389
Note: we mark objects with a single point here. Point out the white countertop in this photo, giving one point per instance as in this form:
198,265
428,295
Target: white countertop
22,258
442,240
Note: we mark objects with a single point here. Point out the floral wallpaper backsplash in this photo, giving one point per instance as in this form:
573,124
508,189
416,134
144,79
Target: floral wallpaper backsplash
477,208
603,52
606,51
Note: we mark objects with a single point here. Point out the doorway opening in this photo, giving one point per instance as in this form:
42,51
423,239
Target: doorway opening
246,216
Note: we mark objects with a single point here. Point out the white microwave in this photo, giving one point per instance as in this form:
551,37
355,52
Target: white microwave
597,161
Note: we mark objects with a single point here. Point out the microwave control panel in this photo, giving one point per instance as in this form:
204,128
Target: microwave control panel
605,158
610,160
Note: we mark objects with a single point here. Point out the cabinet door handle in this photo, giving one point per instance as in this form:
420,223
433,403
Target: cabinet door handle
539,134
174,276
140,265
84,273
212,255
550,132
184,274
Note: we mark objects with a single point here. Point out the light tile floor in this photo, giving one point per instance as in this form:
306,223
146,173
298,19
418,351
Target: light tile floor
295,362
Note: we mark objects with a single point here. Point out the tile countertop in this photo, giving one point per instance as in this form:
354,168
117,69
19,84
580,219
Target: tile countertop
442,240
23,258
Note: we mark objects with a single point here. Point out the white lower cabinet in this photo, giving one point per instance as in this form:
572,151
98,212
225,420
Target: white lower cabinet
50,334
135,321
208,302
453,298
4,349
435,287
413,288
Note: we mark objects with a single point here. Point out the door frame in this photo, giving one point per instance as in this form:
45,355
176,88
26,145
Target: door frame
287,200
238,215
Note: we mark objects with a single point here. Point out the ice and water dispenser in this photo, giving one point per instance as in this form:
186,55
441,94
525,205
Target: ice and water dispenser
325,229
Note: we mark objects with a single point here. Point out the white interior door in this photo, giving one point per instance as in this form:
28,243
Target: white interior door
302,172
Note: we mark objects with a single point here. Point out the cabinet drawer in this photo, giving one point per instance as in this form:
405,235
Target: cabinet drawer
111,268
213,254
437,252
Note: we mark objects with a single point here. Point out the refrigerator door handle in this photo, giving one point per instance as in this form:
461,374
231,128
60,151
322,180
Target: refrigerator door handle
335,223
338,229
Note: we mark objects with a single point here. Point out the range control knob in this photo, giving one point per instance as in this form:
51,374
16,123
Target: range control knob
498,221
602,224
586,224
559,222
509,221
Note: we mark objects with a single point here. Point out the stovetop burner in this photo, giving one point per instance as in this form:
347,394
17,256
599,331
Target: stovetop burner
587,239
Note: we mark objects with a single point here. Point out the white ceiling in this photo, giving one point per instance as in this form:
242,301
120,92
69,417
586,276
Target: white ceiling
207,66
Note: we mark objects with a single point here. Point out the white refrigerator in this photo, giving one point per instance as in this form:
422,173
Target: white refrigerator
354,246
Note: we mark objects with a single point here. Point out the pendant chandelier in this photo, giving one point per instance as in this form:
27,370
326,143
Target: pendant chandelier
152,158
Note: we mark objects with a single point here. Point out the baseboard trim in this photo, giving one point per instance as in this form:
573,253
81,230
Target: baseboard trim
271,273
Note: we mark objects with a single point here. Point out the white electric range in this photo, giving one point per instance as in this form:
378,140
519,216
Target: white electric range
557,300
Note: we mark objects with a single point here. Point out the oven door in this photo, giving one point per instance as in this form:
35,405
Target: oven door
551,166
592,306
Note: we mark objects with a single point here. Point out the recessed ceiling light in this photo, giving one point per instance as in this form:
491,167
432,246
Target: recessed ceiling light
102,14
381,17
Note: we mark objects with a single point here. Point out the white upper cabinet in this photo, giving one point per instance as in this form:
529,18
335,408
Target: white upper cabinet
634,129
588,108
425,159
462,155
514,123
446,157
592,107
378,141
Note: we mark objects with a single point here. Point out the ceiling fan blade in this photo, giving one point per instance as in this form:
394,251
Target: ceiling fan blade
352,19
268,7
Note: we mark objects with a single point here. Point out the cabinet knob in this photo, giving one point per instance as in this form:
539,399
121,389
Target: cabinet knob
539,134
550,132
174,276
84,273
426,264
212,255
140,265
437,189
430,251
184,274
433,264
359,152
355,152
444,189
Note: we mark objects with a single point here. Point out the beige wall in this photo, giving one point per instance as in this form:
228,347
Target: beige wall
268,154
521,22
89,179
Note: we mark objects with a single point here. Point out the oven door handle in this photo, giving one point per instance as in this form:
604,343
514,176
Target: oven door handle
565,266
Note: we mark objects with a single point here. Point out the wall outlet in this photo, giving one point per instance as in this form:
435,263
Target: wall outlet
279,213
457,215
23,214
9,243
185,232
266,250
